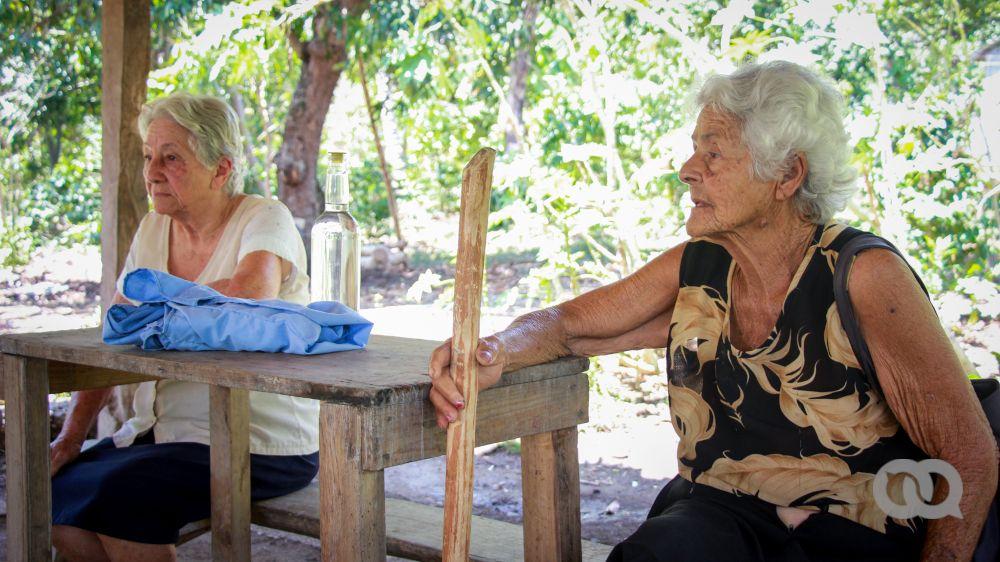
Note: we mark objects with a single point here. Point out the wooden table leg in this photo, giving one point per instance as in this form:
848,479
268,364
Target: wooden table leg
29,486
229,417
352,500
550,484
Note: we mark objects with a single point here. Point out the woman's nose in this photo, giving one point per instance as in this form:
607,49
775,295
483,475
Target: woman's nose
689,172
152,168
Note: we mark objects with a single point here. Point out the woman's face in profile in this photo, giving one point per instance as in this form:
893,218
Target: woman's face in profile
725,193
175,180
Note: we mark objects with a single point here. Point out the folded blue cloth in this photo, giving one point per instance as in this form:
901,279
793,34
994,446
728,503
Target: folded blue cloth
179,314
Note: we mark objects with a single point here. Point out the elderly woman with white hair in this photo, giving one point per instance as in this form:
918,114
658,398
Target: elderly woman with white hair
126,497
780,435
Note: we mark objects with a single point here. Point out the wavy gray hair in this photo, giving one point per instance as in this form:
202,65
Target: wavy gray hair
785,109
214,127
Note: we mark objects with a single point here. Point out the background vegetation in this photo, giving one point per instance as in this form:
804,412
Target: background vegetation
588,100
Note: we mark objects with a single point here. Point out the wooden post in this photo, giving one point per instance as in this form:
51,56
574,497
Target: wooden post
29,490
352,499
550,487
125,56
229,420
477,178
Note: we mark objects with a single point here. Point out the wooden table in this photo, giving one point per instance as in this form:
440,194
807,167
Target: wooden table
374,414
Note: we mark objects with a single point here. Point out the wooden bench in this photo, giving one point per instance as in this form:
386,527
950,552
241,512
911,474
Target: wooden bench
412,530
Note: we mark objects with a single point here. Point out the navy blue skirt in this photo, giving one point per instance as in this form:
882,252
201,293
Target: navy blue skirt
146,492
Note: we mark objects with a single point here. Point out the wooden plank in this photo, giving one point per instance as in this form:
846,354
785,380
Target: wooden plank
405,433
124,69
353,498
413,531
477,181
193,530
550,484
66,377
29,489
390,370
229,419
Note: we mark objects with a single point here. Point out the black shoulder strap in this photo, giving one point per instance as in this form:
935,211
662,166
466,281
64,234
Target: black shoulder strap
987,390
845,259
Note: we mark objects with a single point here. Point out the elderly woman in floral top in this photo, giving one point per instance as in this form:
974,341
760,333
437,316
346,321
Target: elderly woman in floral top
781,436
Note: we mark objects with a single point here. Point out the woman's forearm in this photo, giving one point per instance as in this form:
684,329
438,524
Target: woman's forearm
83,409
953,538
536,337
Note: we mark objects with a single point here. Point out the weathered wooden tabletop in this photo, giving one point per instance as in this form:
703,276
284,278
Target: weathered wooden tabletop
389,370
374,414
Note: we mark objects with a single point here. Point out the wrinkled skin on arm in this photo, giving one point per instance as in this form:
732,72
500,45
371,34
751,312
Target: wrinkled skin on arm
926,389
633,313
257,276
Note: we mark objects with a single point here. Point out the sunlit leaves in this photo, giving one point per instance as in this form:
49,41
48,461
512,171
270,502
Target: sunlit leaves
593,186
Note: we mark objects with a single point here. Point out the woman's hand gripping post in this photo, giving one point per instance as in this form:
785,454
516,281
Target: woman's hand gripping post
447,400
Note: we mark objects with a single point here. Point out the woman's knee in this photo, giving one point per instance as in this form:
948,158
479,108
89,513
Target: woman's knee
74,543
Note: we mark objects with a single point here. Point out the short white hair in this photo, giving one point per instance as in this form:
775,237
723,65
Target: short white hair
214,130
784,109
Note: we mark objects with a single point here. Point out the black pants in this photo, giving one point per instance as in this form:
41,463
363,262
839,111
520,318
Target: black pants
691,522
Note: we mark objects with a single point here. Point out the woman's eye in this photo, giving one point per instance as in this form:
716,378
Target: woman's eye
714,155
147,157
172,157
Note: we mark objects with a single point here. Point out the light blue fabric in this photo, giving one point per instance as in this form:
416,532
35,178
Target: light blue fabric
179,314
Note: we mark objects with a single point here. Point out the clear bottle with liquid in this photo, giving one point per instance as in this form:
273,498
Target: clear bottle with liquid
336,248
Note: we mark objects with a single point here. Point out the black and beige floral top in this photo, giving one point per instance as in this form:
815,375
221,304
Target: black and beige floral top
793,421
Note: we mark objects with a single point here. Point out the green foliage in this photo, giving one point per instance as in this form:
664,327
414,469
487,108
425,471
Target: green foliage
50,117
591,188
369,205
48,103
594,185
240,53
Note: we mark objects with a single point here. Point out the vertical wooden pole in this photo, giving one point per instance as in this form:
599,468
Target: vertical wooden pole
550,487
352,500
125,58
229,420
477,179
29,486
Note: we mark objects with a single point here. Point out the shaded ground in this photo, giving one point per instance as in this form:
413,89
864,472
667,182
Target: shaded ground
626,451
60,291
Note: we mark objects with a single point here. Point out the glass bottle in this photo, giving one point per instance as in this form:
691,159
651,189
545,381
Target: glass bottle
336,248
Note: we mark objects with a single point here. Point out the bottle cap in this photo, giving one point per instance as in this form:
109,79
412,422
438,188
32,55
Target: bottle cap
336,157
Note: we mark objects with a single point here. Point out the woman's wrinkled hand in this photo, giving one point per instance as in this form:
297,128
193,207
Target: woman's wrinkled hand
445,397
62,451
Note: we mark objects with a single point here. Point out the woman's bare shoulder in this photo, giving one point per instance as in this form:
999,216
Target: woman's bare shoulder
879,275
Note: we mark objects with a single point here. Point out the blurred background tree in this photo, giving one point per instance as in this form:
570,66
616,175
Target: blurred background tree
589,100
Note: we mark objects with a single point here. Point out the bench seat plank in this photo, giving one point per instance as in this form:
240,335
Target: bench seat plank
413,530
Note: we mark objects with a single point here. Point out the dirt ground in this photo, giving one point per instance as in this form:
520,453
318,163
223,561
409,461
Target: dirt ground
613,501
626,451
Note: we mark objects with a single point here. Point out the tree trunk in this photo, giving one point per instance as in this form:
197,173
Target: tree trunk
519,68
322,58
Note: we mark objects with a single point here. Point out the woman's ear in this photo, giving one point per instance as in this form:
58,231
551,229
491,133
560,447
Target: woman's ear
222,171
794,177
